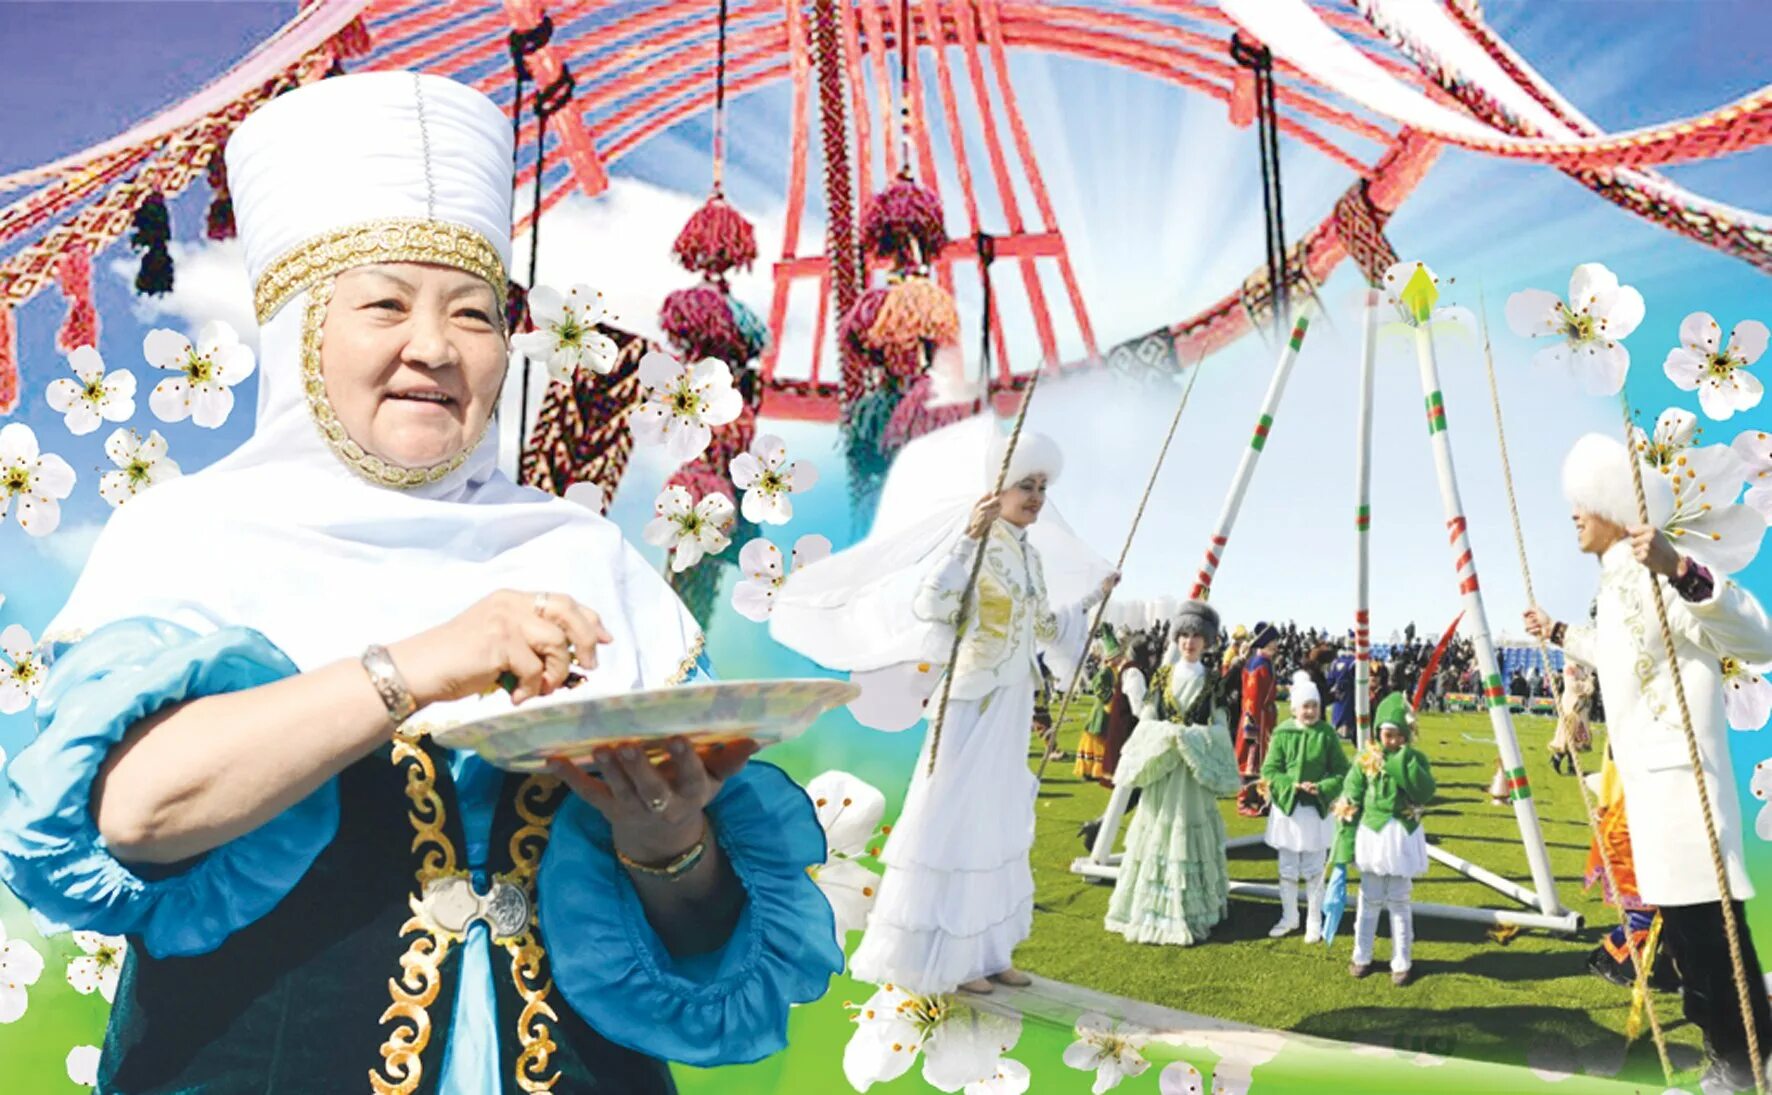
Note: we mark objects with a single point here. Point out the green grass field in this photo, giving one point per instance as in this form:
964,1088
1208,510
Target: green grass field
1531,999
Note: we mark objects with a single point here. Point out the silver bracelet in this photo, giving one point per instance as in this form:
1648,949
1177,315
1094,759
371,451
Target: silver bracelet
395,696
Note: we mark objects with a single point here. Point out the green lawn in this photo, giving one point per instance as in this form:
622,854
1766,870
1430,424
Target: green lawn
1472,998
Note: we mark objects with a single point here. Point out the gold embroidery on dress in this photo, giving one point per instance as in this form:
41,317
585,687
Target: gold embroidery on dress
687,665
527,954
392,239
365,464
415,990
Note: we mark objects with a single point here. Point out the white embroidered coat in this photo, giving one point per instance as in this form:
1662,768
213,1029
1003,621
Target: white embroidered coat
1624,646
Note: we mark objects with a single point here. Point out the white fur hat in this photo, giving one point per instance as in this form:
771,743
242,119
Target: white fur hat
1304,690
1597,480
1034,452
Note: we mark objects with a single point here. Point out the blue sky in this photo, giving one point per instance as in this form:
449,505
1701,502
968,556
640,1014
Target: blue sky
1157,195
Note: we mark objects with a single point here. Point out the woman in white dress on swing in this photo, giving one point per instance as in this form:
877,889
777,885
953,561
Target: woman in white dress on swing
957,896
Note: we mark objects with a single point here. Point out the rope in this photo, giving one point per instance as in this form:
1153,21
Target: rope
1260,61
1125,549
720,106
987,253
904,86
1639,959
1730,928
839,200
947,679
548,101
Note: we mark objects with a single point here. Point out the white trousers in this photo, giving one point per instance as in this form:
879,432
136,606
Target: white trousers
1305,867
1385,893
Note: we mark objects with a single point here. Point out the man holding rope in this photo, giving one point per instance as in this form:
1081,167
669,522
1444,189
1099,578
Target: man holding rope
1710,618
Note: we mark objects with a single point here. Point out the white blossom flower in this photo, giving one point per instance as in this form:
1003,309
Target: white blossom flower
140,465
849,811
1754,448
20,966
100,966
682,403
760,563
1180,1078
1012,1078
1706,522
1762,787
959,1044
21,673
1720,376
1675,431
1108,1050
98,397
1747,696
767,479
208,371
36,480
1413,290
687,529
566,336
83,1065
1589,329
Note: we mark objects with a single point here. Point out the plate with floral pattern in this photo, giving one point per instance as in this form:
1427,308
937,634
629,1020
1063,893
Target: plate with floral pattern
711,715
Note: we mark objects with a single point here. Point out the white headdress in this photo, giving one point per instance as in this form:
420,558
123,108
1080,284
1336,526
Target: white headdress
1597,480
301,534
1304,690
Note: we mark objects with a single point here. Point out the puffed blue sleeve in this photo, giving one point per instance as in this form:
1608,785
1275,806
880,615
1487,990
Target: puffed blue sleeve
51,852
727,1006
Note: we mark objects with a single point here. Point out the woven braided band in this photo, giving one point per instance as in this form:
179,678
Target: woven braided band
395,239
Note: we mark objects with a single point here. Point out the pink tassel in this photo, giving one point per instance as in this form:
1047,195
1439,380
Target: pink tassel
8,362
221,204
912,418
73,273
900,360
916,310
904,224
716,239
700,325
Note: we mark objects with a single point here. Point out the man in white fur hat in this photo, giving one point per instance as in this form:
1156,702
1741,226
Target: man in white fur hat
1710,617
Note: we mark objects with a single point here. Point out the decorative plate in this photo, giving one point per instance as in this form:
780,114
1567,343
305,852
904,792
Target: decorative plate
711,715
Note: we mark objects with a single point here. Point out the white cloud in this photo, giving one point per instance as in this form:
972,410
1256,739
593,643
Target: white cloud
208,282
68,547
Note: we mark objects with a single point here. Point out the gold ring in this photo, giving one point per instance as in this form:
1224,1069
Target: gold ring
658,805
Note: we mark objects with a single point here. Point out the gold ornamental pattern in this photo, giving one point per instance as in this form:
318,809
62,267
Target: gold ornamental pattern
390,239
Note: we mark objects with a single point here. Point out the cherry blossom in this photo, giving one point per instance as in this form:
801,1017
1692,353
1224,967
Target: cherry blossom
208,371
1720,377
1588,330
1754,448
101,965
140,465
767,479
566,338
21,672
1747,696
760,563
20,966
682,403
849,810
1706,522
1108,1050
689,529
959,1044
83,1065
97,397
38,481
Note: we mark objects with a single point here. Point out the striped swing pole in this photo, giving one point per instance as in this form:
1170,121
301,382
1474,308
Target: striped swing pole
1363,527
1477,628
1246,469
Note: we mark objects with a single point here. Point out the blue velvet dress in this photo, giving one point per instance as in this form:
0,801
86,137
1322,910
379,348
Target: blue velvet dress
231,987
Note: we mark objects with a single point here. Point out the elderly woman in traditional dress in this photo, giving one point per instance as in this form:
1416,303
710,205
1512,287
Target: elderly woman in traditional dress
318,897
957,896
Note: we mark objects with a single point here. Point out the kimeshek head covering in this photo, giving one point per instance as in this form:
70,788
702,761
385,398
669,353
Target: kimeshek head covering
1597,480
1393,710
301,534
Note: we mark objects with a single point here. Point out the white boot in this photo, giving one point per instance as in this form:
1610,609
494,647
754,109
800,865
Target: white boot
1288,909
1402,916
1313,915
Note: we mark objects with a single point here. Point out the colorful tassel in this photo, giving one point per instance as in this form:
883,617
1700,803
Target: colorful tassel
152,232
750,325
73,273
903,224
8,362
915,311
517,308
716,239
699,324
221,204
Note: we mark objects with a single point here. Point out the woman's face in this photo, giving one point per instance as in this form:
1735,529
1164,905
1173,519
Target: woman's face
1192,647
413,357
1023,499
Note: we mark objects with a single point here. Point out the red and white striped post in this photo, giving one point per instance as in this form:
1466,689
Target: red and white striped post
1363,527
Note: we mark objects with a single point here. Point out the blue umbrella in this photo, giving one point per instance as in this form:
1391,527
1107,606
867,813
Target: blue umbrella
1334,902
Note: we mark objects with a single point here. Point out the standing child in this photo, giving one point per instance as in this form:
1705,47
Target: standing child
1301,776
1380,810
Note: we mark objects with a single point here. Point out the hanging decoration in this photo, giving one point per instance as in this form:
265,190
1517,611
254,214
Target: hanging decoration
73,273
706,321
8,361
895,329
151,233
220,220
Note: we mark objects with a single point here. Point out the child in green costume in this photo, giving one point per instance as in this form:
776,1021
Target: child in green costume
1302,774
1380,814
